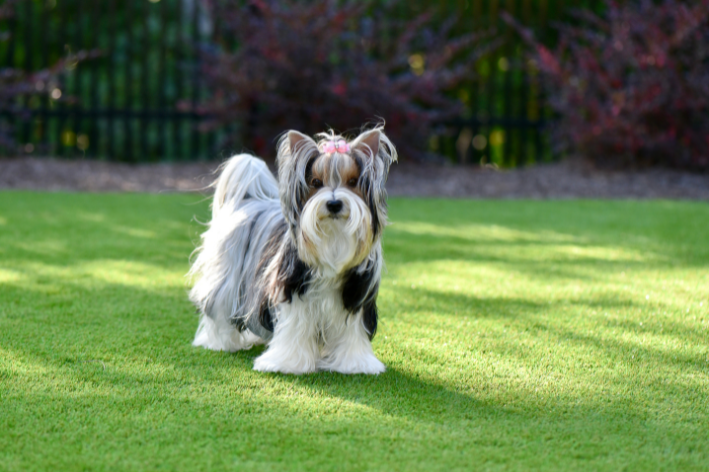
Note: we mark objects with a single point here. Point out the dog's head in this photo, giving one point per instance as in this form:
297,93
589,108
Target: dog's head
333,196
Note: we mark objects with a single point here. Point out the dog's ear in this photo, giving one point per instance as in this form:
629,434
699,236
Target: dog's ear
376,149
295,150
297,140
375,153
368,143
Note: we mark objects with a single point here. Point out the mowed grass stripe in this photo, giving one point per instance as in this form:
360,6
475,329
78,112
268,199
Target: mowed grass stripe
518,335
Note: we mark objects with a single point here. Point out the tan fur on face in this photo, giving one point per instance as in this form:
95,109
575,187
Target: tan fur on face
335,170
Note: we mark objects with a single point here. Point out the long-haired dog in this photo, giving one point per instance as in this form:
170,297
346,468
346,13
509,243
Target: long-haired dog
296,263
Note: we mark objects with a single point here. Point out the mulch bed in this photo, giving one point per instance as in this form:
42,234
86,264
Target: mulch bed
569,179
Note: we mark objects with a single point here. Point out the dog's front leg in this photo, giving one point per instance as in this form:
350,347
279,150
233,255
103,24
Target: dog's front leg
349,350
294,348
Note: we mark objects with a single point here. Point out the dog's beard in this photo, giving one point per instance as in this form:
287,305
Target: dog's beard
332,244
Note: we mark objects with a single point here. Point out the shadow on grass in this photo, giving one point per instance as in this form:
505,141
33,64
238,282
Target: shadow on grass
612,338
123,319
553,260
126,347
68,228
121,362
462,305
640,234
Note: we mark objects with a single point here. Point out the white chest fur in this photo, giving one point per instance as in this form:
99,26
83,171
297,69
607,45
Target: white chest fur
315,332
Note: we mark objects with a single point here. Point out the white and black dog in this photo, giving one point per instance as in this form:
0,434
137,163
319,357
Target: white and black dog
296,264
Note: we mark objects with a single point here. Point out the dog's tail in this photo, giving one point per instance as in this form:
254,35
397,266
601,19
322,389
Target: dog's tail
243,177
245,213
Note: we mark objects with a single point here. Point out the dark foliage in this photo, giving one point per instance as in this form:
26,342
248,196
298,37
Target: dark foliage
631,87
314,65
16,84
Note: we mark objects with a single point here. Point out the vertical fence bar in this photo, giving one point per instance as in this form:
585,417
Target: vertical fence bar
145,102
111,85
212,137
524,88
231,129
128,151
492,94
162,80
515,70
12,31
10,58
459,10
194,95
476,25
541,108
504,66
180,75
28,37
94,27
78,73
172,32
61,105
44,62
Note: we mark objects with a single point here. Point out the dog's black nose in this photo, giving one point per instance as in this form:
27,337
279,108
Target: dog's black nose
334,206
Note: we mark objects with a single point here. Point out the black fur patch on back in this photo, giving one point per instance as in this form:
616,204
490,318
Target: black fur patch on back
358,292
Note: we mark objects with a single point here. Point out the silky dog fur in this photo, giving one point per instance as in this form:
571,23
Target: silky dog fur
296,263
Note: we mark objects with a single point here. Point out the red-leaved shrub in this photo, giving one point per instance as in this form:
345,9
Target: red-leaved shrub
315,65
631,87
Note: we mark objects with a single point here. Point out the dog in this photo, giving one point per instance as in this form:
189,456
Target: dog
296,263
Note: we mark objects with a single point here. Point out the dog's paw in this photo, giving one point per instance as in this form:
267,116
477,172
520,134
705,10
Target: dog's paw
266,363
367,364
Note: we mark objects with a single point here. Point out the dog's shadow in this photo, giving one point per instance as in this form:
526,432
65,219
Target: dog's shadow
394,392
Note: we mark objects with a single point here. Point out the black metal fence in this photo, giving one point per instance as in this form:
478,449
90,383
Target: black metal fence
121,105
124,104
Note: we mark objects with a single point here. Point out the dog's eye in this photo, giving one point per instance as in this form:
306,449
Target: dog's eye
352,182
316,183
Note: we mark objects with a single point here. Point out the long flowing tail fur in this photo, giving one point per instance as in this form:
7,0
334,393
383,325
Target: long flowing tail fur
245,211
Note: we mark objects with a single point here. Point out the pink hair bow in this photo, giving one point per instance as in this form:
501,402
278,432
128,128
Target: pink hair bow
336,146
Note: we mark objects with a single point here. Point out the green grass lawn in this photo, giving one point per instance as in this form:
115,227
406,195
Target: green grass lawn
569,335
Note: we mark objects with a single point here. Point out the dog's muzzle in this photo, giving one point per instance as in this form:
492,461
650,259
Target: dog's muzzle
334,206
